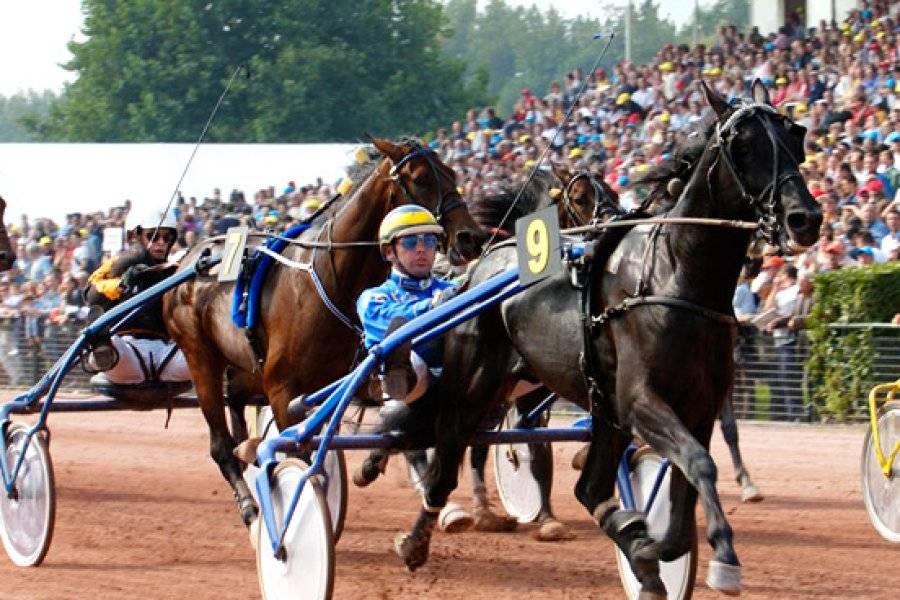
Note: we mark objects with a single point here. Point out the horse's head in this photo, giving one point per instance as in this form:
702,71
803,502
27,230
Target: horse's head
761,151
7,255
584,196
425,180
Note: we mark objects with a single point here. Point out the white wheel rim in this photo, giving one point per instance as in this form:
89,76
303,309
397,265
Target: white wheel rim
308,570
27,519
676,575
882,494
335,470
518,489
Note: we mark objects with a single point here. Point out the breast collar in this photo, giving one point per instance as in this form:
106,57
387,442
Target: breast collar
413,284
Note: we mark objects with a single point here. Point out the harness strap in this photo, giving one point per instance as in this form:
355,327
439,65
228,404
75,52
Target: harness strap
670,301
323,294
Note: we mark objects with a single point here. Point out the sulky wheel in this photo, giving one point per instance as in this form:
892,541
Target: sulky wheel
335,466
27,516
307,568
518,489
679,574
882,494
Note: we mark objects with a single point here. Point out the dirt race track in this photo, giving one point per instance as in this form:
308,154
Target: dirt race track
143,513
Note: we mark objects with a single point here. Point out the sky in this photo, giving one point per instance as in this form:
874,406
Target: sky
34,34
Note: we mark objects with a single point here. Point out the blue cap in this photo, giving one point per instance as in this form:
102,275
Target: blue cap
867,250
582,139
892,137
596,137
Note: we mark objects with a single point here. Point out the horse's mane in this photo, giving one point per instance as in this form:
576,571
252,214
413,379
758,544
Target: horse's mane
490,209
681,165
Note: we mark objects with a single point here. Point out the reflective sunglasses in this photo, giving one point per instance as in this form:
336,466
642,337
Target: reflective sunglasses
409,242
162,235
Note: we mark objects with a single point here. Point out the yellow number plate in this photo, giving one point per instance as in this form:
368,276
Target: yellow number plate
537,246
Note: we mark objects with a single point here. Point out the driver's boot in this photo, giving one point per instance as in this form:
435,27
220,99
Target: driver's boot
393,415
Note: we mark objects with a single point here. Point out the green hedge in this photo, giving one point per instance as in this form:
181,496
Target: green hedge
840,362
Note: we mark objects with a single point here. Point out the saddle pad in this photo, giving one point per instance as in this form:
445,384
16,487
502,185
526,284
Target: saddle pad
250,315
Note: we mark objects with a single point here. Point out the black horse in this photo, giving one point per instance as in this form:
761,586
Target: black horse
647,346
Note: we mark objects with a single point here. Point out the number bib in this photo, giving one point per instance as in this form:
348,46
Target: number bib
538,245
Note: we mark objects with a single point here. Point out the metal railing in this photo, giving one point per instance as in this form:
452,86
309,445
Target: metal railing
770,378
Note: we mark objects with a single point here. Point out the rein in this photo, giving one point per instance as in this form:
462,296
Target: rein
764,202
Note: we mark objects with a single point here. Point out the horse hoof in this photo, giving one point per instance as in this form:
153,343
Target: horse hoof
411,551
751,493
246,450
455,519
488,521
724,577
580,458
552,530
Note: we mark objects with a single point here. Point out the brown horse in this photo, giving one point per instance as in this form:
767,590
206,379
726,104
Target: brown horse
301,344
7,255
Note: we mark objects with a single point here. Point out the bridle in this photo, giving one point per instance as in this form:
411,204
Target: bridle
447,202
599,196
763,203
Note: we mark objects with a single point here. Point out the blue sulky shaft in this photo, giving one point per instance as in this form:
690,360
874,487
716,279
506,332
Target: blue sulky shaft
49,384
421,329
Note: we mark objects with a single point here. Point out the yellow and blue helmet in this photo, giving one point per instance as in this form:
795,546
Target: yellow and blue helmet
408,219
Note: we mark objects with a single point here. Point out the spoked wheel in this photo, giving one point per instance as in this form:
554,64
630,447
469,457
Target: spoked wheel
307,568
518,489
335,467
679,574
882,494
28,516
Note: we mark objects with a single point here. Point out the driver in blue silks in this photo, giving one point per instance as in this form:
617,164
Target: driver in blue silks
409,236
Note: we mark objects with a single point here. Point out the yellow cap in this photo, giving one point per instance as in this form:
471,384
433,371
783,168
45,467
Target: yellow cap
45,240
575,153
407,220
555,193
623,98
859,37
470,136
781,81
361,156
344,186
524,138
271,219
311,204
665,117
881,35
800,108
712,71
530,163
666,67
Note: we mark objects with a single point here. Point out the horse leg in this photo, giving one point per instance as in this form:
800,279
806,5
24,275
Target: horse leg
485,518
207,374
454,425
549,528
236,399
657,424
749,492
628,529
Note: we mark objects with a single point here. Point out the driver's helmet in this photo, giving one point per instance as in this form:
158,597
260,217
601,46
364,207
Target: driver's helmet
139,221
408,219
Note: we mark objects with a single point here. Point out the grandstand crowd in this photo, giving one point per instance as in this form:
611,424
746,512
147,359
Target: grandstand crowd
840,80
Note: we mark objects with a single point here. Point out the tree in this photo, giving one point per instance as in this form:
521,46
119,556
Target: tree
318,70
20,110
